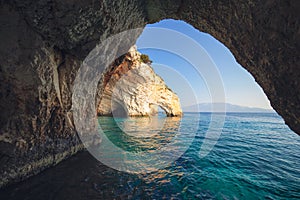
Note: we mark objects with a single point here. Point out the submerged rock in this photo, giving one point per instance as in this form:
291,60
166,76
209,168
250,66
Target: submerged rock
132,88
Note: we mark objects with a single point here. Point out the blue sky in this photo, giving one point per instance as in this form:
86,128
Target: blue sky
182,76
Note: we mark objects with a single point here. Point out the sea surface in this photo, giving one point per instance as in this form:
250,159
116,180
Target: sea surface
255,156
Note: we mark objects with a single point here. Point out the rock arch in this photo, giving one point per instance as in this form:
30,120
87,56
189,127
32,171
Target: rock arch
43,43
134,85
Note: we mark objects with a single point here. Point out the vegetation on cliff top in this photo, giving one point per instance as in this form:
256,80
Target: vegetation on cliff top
145,59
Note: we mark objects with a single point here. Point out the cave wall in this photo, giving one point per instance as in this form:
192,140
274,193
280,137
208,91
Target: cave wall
43,43
42,46
37,129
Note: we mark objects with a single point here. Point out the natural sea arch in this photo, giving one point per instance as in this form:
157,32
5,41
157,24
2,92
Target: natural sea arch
43,44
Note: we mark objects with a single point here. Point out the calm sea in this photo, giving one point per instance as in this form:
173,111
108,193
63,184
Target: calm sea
256,156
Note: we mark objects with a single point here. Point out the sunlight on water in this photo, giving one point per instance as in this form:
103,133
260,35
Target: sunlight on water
256,157
140,133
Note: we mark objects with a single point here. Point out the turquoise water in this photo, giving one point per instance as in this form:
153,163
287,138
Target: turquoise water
256,157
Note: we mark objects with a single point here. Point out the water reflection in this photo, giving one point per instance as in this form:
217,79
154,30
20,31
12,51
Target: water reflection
136,134
237,168
154,147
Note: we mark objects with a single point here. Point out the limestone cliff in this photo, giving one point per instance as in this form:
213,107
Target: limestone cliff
132,88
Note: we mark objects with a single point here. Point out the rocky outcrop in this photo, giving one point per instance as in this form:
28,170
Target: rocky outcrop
132,88
43,43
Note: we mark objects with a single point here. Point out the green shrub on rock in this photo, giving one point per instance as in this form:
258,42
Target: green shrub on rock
145,59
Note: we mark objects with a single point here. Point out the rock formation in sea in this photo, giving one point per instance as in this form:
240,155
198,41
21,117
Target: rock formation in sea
44,42
132,88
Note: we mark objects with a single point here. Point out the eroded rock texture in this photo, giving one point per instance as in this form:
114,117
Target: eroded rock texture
43,43
42,46
134,89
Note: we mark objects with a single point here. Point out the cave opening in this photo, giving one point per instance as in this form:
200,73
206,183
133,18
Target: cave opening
49,46
242,92
158,110
118,110
161,111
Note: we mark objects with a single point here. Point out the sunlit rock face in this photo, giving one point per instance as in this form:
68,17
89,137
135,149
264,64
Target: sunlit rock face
134,89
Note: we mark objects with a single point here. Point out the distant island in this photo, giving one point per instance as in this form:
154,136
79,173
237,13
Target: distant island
218,107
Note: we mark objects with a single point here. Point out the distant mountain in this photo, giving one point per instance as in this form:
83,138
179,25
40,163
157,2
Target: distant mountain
218,107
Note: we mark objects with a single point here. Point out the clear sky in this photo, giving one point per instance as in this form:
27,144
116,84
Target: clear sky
182,77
